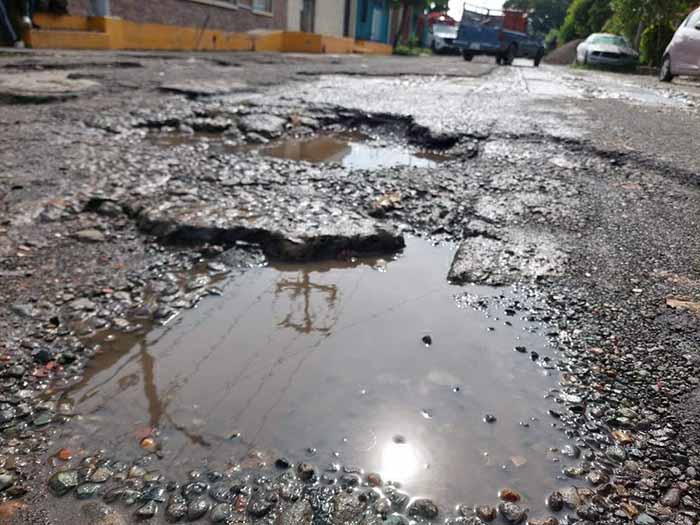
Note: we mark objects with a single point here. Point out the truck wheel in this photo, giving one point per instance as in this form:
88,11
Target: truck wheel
665,74
467,56
510,55
538,58
499,60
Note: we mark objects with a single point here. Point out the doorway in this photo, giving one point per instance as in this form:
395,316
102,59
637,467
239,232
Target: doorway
308,16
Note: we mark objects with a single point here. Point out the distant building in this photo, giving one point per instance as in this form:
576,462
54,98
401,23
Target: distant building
227,15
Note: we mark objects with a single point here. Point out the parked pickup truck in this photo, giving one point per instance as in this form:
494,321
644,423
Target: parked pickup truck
501,34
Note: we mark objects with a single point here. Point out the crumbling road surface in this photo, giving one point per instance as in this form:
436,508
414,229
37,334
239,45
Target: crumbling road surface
121,173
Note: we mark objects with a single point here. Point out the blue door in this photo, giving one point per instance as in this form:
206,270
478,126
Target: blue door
373,20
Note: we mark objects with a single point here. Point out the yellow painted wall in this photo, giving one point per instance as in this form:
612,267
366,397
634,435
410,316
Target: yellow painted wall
113,33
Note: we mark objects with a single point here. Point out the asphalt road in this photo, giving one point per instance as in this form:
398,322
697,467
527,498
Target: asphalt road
579,185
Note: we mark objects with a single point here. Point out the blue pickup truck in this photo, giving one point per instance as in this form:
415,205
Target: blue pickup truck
501,34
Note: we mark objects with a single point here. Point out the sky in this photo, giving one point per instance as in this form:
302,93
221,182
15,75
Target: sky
456,6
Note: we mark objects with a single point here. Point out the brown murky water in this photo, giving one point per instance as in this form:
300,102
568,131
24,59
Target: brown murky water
351,151
327,360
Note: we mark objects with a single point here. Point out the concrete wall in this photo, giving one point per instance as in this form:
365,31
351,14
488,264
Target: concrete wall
329,17
294,14
192,13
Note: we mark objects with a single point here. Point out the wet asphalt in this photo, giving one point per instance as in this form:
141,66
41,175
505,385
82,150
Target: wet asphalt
579,185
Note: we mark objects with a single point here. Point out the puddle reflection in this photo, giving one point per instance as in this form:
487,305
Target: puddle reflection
329,356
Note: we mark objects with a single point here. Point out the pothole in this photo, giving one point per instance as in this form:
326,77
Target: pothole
352,150
363,366
349,149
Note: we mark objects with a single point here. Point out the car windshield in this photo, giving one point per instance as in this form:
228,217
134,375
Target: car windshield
610,40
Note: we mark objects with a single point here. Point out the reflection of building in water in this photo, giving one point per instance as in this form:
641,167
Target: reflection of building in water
303,288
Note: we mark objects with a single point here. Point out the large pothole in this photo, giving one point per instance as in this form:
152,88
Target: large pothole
369,365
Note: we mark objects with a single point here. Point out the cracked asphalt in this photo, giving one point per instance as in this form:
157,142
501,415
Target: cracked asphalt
578,186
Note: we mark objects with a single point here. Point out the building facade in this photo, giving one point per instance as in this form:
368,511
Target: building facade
227,15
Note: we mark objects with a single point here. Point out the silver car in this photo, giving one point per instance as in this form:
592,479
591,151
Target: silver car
682,56
603,49
441,38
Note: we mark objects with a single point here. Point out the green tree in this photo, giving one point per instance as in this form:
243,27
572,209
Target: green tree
545,14
583,18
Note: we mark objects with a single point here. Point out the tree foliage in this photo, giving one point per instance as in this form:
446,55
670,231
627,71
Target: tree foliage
583,18
545,14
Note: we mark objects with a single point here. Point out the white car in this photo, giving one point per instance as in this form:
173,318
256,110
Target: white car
602,49
441,38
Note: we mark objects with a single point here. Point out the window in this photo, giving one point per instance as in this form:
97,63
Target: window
262,5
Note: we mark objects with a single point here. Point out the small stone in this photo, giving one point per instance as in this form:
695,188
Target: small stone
512,513
644,519
176,509
283,463
521,349
623,437
306,471
374,479
64,454
149,444
261,503
97,513
423,508
672,498
555,501
6,480
427,340
597,477
508,494
197,509
87,490
489,418
90,235
149,510
545,521
63,482
571,451
137,472
616,453
101,475
486,512
221,513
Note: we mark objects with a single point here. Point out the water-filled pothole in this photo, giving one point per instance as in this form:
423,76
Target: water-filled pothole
350,150
369,363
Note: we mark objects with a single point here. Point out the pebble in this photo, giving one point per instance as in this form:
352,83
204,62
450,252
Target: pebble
90,235
87,490
672,498
6,480
63,482
423,508
489,418
512,512
221,513
644,519
616,453
555,501
508,494
197,509
486,512
427,340
374,479
176,509
149,510
306,471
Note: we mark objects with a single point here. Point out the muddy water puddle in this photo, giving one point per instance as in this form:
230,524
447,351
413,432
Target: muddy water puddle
372,364
351,150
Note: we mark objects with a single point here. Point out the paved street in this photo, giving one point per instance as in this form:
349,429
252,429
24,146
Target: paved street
142,357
